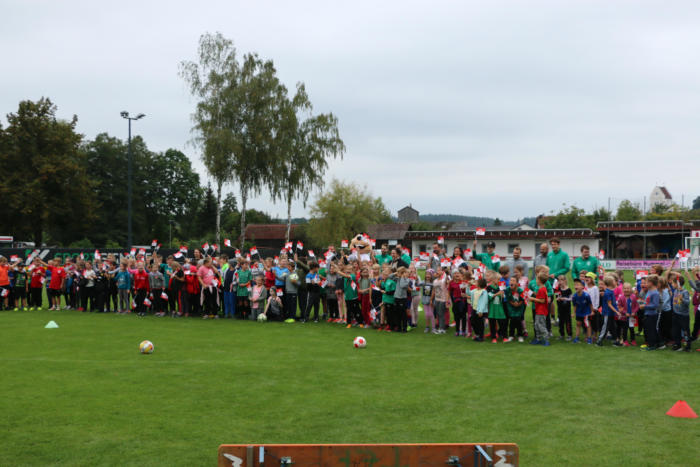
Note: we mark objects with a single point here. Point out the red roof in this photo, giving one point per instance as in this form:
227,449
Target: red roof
667,195
269,231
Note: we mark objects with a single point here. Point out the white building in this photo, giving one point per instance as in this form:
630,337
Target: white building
660,195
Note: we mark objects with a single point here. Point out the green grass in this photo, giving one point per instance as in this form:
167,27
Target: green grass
83,395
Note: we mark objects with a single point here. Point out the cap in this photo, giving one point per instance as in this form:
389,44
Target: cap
491,244
591,275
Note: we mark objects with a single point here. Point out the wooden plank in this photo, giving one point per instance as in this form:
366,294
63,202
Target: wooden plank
364,455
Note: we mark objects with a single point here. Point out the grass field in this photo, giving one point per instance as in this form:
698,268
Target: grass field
83,395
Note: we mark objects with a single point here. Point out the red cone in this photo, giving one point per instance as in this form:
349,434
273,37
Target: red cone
681,409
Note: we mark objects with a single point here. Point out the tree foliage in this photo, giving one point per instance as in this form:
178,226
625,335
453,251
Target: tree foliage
343,210
45,188
627,211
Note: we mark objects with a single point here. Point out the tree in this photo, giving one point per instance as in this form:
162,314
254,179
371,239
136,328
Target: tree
236,117
44,188
627,211
342,211
696,203
568,218
497,222
212,80
305,145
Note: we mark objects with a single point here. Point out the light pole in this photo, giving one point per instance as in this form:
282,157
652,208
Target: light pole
125,115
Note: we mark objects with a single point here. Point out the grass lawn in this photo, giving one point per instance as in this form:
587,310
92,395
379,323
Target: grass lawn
83,395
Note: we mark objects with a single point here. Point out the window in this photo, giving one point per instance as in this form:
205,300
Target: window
512,246
422,247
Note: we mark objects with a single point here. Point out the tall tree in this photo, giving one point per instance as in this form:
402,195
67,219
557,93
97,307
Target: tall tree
627,211
343,210
44,187
305,142
696,203
213,80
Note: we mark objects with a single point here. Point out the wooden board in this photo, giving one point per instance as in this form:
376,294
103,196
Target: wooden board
364,455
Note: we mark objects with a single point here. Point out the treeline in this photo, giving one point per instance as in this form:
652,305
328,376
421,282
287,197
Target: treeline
62,189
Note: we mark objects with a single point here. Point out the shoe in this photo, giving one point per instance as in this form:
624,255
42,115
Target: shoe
663,346
633,343
576,340
494,341
647,348
434,331
617,344
408,328
25,308
16,309
546,344
510,339
589,340
525,334
599,343
535,342
458,334
348,326
520,339
481,339
568,338
426,330
31,308
677,348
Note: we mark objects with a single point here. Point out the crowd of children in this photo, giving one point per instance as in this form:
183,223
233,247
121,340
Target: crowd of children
475,294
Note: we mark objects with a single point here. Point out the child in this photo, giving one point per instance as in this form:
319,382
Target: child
609,309
651,306
20,287
123,280
426,293
564,307
515,308
230,291
415,289
157,284
681,314
141,286
352,303
497,315
273,308
665,316
243,291
439,300
695,286
583,307
541,311
258,296
365,292
313,293
594,294
388,289
480,304
459,304
629,308
400,296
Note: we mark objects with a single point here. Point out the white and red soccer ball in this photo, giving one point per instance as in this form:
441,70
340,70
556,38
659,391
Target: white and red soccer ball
146,347
359,342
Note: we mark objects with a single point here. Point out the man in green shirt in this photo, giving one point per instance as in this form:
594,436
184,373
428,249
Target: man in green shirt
557,260
486,258
585,262
384,257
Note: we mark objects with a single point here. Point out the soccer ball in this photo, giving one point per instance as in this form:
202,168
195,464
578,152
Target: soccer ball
359,342
262,318
294,277
146,347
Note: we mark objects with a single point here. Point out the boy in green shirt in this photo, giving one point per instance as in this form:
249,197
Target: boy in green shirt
515,306
245,277
497,315
388,289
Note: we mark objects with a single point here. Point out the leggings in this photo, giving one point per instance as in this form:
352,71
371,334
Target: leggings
459,309
242,307
681,329
429,316
332,307
622,328
478,325
440,308
607,326
313,300
211,306
650,330
565,322
123,299
498,327
401,318
515,326
354,313
140,297
36,296
415,302
365,305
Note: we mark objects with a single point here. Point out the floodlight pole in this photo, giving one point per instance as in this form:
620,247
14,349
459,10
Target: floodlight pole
125,115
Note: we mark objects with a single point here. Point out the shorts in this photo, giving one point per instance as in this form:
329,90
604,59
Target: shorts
20,292
583,320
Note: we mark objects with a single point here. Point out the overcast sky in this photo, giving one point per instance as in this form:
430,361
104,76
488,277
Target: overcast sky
498,108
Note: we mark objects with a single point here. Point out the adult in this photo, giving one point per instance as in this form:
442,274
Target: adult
585,263
557,260
541,259
516,260
405,257
396,260
435,258
384,257
487,258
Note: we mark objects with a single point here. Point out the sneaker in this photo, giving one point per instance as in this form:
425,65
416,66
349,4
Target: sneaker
348,326
535,342
510,339
408,328
546,343
647,348
633,343
520,339
617,344
568,338
494,341
31,308
589,340
435,331
481,339
599,343
426,330
16,309
576,340
458,334
677,348
663,346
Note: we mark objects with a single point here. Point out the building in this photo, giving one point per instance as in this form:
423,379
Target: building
645,239
270,235
660,195
408,215
506,239
391,234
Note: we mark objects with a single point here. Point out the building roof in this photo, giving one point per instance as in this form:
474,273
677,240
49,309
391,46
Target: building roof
665,192
394,231
505,233
408,208
269,231
643,226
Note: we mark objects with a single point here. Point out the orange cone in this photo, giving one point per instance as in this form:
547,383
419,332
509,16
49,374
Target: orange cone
681,409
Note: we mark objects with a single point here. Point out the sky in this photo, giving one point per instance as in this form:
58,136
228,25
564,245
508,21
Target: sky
501,108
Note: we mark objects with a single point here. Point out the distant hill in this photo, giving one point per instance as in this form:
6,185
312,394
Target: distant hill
474,221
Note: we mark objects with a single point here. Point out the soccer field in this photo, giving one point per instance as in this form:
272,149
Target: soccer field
83,395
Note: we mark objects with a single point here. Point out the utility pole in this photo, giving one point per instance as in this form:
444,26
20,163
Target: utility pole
125,115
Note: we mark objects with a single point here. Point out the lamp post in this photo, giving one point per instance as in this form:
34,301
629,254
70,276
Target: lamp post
125,115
